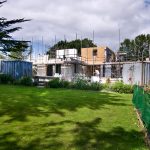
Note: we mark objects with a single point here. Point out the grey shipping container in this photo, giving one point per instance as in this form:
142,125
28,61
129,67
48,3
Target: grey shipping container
16,68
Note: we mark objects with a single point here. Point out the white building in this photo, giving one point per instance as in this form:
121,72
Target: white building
66,64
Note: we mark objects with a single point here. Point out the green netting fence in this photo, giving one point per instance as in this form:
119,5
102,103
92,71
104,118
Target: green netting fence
141,100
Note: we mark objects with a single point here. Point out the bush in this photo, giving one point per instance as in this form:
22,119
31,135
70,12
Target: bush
85,85
16,82
120,87
27,81
6,79
57,83
64,84
147,89
81,84
106,86
54,83
96,86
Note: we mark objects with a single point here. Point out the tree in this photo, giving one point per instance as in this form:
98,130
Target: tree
136,49
1,56
77,44
21,54
7,43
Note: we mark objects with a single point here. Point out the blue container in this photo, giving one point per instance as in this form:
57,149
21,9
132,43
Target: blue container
16,68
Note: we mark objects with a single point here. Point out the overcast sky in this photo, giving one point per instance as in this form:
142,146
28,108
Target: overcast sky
68,17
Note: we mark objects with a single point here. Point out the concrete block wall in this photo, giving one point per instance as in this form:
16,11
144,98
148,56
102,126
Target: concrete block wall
132,73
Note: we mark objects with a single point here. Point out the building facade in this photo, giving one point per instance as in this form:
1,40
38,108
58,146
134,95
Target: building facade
97,61
97,55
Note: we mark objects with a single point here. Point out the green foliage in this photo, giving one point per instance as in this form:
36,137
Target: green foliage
57,83
81,84
72,44
16,82
21,53
7,43
96,86
135,47
27,81
2,56
85,85
78,84
6,79
64,84
147,89
120,87
106,86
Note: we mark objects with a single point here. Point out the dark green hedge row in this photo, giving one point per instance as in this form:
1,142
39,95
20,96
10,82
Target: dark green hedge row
8,79
81,84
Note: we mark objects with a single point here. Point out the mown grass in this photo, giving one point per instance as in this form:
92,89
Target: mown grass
59,119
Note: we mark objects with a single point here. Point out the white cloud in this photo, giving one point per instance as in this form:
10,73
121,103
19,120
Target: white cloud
67,17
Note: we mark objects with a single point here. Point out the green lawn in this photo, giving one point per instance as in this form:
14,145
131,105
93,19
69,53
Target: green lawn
58,119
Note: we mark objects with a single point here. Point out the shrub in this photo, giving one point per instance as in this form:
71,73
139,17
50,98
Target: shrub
27,81
35,83
6,79
96,86
54,83
64,84
120,87
57,83
16,82
106,86
85,85
80,76
81,84
147,89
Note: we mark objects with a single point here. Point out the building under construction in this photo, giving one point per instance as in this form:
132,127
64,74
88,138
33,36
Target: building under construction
68,63
95,61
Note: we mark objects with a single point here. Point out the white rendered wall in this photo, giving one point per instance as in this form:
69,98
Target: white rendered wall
67,53
132,73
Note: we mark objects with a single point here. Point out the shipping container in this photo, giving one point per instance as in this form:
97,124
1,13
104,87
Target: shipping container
16,68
